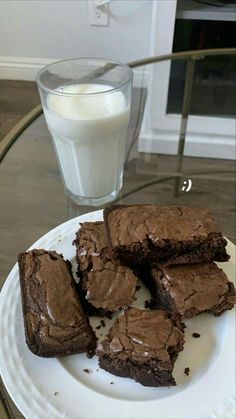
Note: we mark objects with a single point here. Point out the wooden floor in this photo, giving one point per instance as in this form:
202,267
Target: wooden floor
17,98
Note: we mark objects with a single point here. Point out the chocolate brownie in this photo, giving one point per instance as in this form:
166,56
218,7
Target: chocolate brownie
170,235
107,285
143,345
55,323
191,289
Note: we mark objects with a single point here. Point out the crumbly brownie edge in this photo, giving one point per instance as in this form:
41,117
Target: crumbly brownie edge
106,213
152,378
160,298
228,302
174,254
212,248
31,345
87,306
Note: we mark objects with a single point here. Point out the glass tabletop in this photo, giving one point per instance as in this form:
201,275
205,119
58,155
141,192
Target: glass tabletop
173,104
33,200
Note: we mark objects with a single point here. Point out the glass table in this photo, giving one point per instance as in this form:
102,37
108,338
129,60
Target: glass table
169,151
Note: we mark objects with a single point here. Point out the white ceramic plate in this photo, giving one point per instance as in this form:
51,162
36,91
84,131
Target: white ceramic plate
59,388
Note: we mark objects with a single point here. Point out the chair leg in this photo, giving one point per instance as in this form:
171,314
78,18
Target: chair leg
188,87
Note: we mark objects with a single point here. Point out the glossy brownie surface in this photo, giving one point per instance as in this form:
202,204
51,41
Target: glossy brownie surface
192,289
143,345
169,234
107,284
55,323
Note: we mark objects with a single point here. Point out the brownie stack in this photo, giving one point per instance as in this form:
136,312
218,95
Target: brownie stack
172,249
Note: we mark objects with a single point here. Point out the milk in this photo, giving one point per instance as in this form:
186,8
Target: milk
89,134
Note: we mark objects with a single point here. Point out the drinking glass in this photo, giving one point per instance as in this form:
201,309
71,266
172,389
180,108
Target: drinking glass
86,103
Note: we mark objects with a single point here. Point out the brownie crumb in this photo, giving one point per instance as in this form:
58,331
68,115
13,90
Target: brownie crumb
147,304
86,370
90,353
98,327
103,324
187,371
196,335
138,287
56,393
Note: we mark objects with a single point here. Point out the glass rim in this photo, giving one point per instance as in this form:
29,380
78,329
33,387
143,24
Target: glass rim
106,61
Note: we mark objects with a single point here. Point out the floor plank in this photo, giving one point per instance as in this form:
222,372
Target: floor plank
17,98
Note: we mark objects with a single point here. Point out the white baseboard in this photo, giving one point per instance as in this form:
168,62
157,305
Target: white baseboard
196,145
23,68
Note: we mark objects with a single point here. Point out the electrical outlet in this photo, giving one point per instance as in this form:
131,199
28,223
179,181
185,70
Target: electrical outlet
98,16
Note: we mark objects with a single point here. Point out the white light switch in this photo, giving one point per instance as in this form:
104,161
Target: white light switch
98,14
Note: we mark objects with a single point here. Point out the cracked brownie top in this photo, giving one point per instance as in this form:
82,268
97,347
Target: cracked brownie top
167,234
108,284
128,224
90,243
54,319
143,335
194,288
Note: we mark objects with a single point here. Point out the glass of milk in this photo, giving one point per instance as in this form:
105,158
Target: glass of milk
86,103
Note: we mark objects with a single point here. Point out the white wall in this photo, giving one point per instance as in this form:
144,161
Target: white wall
59,29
